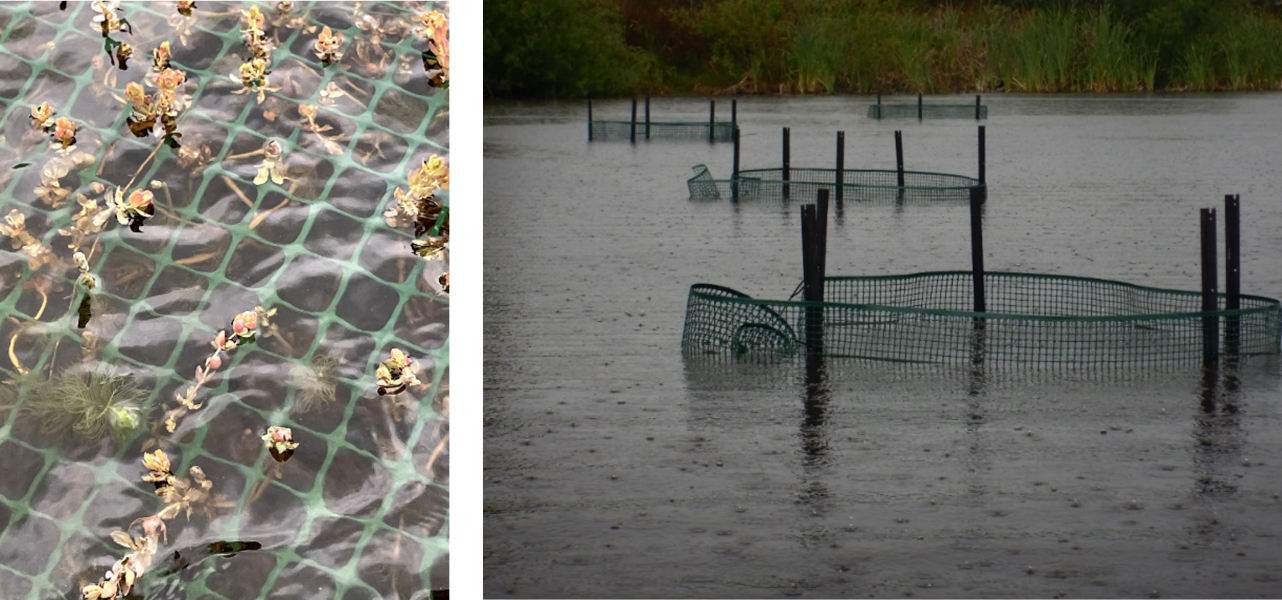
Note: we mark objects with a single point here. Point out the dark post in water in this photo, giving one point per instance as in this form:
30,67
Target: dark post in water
840,179
632,135
981,154
734,112
1210,291
919,112
734,176
814,226
977,107
787,162
712,120
899,158
1232,270
977,246
647,116
589,120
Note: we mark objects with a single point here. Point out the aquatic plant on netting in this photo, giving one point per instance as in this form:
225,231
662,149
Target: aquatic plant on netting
224,249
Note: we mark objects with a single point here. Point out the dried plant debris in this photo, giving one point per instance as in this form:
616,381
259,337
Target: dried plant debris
436,59
316,382
420,208
244,329
89,403
87,281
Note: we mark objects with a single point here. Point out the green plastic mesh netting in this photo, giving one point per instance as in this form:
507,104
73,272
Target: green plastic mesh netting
927,111
361,509
1032,319
869,185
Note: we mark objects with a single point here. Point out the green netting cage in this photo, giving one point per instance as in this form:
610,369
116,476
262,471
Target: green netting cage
644,129
361,509
859,185
922,111
1031,321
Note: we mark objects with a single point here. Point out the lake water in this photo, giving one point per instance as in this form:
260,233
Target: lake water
616,468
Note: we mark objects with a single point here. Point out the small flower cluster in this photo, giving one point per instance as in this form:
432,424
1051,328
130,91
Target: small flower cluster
85,278
185,7
16,229
436,59
396,374
157,114
64,129
327,47
271,167
133,211
106,17
419,206
253,73
280,442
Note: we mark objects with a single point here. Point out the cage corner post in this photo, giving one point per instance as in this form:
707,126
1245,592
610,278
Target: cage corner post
1232,272
1210,290
589,119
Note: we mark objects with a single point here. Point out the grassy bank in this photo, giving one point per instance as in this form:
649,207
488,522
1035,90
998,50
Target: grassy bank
604,47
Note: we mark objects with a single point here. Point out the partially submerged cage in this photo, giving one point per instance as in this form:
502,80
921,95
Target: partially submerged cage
785,182
1030,319
856,184
986,318
710,131
922,111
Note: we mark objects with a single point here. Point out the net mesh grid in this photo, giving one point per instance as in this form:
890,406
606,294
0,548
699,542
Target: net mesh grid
688,131
194,329
927,111
1031,320
859,185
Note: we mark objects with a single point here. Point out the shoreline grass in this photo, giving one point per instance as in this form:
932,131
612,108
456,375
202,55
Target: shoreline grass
883,46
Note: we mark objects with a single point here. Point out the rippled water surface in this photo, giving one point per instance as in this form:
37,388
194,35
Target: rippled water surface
361,508
616,468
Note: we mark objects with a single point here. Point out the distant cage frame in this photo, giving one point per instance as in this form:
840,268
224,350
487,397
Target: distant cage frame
710,131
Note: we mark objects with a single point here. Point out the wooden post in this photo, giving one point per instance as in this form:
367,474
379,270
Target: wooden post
734,112
1210,295
977,107
977,246
899,158
840,178
712,120
919,111
589,120
734,176
787,161
1232,270
982,152
632,136
813,238
822,234
647,116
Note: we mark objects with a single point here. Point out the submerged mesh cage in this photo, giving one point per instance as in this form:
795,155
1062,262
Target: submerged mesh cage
1031,319
361,509
870,185
927,111
688,131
